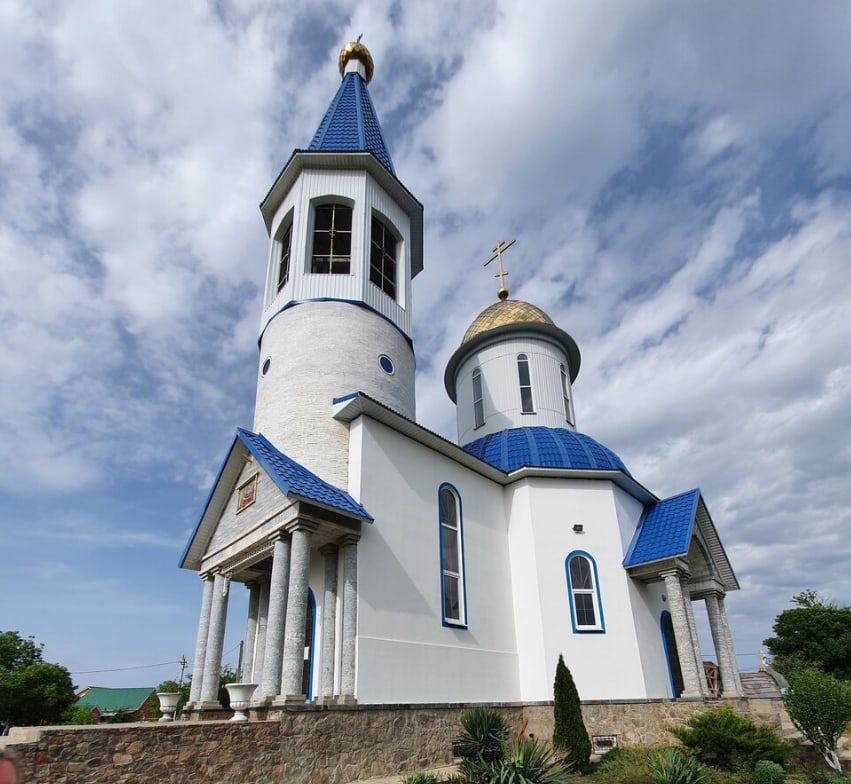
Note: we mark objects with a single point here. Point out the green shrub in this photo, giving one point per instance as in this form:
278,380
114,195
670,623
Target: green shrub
672,766
822,776
820,707
420,777
527,761
626,766
569,734
78,714
483,735
725,740
767,772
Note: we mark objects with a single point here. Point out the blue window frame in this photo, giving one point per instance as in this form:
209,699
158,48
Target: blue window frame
453,593
583,593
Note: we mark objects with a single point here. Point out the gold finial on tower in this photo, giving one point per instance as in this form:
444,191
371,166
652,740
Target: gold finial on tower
355,50
499,249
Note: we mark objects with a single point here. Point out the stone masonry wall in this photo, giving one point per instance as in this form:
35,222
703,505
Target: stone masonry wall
316,745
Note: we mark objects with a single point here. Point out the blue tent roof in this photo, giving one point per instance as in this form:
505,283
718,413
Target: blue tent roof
664,530
292,478
351,123
544,447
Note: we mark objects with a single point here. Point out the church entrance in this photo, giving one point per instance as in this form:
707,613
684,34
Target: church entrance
309,639
669,645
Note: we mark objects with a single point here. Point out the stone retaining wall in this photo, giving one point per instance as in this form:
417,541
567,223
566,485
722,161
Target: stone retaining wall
318,745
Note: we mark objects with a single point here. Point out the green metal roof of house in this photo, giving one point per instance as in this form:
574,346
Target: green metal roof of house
110,700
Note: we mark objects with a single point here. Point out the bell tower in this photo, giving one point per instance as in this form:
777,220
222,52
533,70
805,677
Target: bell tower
345,243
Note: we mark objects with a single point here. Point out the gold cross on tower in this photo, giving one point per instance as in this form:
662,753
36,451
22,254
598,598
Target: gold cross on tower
499,249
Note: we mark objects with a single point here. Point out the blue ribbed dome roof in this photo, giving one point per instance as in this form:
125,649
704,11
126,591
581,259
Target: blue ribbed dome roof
350,124
544,447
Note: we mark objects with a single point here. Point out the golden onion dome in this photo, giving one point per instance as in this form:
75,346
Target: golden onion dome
504,313
355,50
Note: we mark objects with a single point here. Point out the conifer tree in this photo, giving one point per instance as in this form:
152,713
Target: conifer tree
569,734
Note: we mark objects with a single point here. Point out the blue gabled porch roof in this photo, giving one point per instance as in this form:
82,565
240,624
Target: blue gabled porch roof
293,478
664,530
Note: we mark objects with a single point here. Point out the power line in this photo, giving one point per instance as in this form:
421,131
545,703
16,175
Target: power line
122,669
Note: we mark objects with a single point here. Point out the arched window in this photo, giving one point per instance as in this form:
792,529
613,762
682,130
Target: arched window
586,611
284,258
565,395
526,404
382,258
453,594
478,398
332,239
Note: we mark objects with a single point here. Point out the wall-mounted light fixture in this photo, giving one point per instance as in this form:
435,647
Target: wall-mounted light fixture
577,529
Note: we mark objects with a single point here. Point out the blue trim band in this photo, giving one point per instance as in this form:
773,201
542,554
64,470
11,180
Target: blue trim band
293,302
576,630
311,657
665,651
463,593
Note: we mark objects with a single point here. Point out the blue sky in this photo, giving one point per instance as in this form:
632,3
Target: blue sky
678,178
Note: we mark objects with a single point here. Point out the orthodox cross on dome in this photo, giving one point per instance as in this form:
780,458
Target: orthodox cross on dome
499,249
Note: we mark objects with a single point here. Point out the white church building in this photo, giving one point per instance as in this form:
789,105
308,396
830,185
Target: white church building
387,564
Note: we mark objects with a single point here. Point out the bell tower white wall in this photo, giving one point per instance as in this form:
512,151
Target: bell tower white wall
497,361
324,335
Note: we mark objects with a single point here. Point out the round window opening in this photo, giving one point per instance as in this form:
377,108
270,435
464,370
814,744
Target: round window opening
386,364
266,365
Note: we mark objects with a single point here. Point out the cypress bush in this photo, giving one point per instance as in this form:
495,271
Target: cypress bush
569,734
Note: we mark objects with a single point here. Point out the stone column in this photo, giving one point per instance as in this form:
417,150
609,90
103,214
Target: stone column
731,652
201,641
302,533
329,623
695,642
215,641
349,546
250,632
271,681
260,644
682,633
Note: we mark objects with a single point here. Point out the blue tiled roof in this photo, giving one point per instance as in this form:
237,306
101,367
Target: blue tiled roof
544,447
292,478
664,530
351,123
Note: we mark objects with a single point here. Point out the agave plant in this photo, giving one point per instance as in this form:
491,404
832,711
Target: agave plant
527,761
483,736
672,766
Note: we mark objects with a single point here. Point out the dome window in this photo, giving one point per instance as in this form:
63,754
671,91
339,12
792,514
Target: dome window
284,260
386,364
478,398
332,240
266,365
526,403
382,258
565,395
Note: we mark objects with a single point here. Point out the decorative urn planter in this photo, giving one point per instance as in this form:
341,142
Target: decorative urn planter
168,704
240,698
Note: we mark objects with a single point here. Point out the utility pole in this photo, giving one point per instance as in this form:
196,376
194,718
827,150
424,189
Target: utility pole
182,664
239,660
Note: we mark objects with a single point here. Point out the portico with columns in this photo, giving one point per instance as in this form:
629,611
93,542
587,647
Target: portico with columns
269,546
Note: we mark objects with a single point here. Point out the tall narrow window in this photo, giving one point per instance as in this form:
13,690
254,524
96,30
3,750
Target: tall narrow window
565,395
284,262
526,405
478,398
584,592
451,558
382,258
332,239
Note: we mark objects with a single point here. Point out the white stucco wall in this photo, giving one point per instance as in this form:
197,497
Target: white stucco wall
404,651
501,388
605,665
319,351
